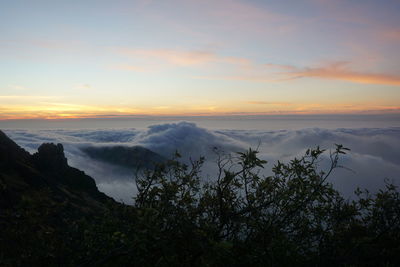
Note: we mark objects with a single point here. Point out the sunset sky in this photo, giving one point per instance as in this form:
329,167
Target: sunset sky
66,59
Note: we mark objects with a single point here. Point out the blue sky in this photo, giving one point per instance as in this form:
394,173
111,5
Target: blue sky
67,59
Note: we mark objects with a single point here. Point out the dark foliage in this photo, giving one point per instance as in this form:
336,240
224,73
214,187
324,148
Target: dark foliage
238,218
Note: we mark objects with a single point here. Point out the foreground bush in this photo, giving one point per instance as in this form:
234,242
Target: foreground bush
241,218
237,218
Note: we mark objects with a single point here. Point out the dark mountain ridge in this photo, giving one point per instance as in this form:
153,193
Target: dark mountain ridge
128,157
43,203
20,173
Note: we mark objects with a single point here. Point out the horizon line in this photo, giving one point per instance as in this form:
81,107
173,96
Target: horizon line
167,116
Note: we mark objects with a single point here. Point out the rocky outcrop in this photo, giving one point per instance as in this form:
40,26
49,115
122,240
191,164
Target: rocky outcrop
22,174
50,157
45,206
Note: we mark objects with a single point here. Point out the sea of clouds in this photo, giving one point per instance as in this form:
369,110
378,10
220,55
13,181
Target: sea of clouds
374,155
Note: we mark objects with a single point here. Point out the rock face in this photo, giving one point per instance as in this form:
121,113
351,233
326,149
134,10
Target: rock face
44,203
22,174
50,157
10,152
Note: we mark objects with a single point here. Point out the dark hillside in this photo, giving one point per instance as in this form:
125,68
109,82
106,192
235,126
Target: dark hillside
53,215
41,200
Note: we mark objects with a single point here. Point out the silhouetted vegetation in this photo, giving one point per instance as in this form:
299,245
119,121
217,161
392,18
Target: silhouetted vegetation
237,218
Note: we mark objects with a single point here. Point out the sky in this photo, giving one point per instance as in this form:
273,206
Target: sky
78,59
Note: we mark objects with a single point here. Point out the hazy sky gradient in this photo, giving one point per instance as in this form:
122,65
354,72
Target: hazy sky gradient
101,58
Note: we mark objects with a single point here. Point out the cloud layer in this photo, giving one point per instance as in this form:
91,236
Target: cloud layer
375,154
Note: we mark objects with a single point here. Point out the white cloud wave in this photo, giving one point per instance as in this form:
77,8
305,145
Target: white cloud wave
374,156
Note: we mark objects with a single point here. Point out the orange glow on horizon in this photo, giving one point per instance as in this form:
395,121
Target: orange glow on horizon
279,108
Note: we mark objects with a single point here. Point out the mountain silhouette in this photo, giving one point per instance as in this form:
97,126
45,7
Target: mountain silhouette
127,157
45,173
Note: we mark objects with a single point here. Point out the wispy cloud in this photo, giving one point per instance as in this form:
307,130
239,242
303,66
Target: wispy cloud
58,110
391,34
150,58
83,86
339,71
26,97
130,67
18,87
269,103
175,57
333,71
247,70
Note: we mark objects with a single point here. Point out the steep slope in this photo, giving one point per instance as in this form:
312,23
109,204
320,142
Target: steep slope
22,173
43,204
